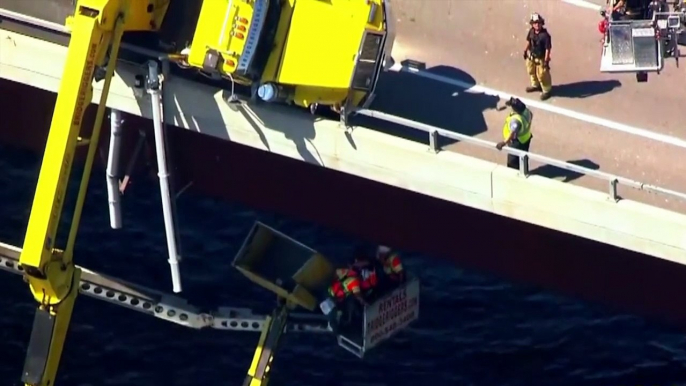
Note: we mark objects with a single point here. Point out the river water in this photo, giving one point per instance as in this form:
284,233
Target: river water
474,329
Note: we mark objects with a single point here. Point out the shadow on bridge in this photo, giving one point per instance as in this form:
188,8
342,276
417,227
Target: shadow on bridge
565,175
430,102
585,89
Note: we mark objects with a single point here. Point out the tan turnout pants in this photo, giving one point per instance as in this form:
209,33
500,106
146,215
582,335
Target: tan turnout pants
540,76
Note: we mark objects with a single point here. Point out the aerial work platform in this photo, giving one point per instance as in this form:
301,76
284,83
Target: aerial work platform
301,276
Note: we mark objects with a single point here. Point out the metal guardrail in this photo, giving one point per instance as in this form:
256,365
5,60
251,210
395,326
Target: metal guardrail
435,133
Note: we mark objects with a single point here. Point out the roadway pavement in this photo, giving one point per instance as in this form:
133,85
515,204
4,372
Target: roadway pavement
481,42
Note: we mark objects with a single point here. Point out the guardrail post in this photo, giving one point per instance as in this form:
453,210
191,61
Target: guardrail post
524,164
433,141
613,189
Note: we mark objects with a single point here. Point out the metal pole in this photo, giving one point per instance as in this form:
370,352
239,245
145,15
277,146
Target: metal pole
113,194
154,89
613,189
433,141
524,165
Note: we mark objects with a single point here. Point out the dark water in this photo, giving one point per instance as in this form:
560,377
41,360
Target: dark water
474,330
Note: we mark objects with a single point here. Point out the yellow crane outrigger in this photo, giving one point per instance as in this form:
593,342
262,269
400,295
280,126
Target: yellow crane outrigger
353,43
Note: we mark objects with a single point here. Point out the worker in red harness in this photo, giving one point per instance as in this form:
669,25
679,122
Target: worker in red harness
369,271
344,295
392,266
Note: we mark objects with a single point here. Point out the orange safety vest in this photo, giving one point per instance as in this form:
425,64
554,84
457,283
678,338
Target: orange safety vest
392,266
344,286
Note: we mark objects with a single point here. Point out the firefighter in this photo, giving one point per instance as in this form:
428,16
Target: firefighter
392,266
537,56
516,131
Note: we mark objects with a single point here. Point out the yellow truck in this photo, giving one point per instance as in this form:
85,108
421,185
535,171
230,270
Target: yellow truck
305,52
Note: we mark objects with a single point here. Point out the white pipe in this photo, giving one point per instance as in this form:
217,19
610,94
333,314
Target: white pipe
113,194
163,173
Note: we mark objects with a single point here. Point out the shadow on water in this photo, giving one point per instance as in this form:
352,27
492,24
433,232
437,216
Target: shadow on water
429,101
564,175
585,89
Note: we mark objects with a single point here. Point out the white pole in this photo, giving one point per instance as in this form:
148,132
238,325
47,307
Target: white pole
113,194
154,89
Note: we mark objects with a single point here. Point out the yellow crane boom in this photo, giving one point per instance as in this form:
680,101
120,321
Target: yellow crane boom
260,368
97,27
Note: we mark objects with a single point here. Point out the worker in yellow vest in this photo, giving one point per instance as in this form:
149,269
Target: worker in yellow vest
516,131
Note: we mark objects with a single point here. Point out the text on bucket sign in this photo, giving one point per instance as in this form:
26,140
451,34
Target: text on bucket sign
393,313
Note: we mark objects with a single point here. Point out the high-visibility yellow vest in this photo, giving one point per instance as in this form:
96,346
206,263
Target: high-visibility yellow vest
525,132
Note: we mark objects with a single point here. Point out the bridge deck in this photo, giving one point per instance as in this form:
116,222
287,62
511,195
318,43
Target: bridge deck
448,36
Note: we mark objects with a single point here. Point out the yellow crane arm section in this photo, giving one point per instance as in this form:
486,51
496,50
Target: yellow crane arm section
97,27
258,373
